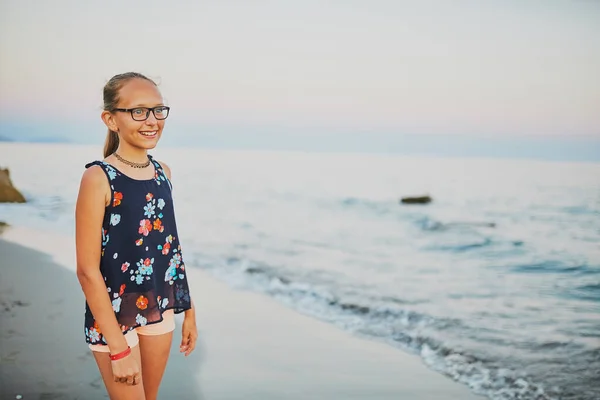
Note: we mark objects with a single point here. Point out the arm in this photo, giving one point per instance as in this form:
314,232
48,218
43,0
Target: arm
94,195
189,331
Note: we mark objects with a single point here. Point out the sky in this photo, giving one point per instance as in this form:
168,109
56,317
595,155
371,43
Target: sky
308,71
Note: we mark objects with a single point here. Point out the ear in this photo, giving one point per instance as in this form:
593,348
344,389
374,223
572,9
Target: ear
109,120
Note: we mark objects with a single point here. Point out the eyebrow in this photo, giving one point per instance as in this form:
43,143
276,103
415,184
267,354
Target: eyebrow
146,106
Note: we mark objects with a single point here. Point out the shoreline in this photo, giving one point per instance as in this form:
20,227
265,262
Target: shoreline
249,346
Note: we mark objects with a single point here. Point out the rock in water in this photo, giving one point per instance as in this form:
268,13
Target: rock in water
416,200
8,193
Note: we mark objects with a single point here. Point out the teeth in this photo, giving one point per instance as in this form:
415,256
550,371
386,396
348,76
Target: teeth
149,133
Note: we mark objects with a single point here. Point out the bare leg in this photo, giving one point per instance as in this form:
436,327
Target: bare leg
118,390
154,350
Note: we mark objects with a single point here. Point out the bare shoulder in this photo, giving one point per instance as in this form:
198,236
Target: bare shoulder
95,183
94,175
166,168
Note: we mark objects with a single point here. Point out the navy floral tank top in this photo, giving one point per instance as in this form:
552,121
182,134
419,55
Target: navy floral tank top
141,259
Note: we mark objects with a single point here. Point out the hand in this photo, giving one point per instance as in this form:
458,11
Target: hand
189,334
126,370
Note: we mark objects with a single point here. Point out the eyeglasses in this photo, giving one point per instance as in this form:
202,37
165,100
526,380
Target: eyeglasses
142,113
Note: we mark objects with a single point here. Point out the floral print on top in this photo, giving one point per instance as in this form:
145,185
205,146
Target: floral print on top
141,259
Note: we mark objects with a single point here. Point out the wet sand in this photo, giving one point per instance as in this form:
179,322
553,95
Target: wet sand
250,346
42,350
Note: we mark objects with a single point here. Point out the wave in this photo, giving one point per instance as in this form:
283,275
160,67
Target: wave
379,208
461,248
580,210
555,267
590,292
391,320
429,224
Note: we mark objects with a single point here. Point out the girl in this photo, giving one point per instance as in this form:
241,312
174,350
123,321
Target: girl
129,260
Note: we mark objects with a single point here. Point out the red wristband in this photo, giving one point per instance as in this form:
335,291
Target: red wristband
123,354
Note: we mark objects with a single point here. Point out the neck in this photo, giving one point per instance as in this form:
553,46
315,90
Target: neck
133,154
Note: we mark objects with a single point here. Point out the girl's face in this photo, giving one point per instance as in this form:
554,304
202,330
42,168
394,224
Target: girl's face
135,94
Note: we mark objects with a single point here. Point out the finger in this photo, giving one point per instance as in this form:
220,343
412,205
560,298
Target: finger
129,380
189,351
184,339
136,379
184,344
191,347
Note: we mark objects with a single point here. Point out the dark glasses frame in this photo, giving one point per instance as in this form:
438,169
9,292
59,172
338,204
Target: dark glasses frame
131,110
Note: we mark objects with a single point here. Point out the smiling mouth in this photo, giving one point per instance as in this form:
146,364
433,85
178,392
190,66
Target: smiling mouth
149,134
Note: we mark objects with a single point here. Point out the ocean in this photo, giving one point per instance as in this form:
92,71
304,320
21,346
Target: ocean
495,283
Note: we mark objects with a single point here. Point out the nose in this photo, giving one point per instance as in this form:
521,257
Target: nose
151,120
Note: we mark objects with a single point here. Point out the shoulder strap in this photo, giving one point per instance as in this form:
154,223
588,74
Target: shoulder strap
93,163
161,175
110,173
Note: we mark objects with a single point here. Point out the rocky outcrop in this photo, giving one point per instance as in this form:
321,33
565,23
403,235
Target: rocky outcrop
8,193
416,200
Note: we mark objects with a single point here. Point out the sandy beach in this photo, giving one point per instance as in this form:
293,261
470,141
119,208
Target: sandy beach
250,347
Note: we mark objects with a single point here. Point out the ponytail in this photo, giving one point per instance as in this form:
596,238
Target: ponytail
111,144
